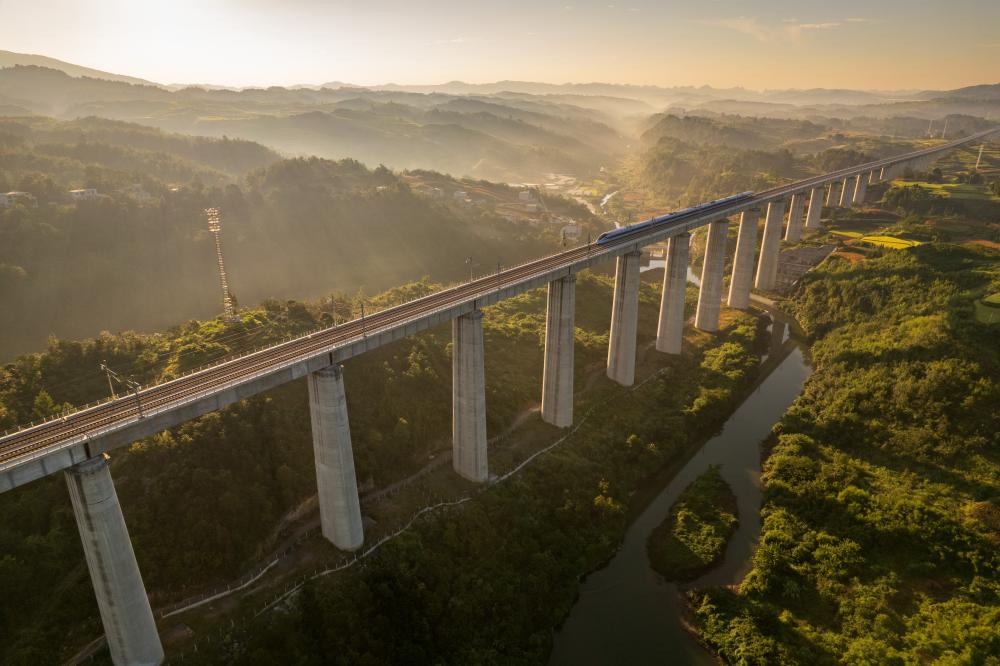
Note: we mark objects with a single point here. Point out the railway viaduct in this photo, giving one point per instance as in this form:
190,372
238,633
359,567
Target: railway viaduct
78,443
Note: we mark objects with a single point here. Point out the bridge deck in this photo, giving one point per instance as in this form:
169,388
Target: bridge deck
60,443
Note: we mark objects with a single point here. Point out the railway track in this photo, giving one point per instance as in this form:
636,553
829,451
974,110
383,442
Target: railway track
177,390
78,425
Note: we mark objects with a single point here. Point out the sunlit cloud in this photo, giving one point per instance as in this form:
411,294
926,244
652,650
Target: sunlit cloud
786,29
795,30
744,25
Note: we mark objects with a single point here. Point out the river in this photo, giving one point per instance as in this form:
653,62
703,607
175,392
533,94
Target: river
626,613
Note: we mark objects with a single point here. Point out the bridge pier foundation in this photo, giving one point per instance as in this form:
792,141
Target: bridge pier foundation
743,260
815,209
468,376
121,598
670,329
846,192
336,481
557,375
624,319
861,189
706,316
793,232
767,265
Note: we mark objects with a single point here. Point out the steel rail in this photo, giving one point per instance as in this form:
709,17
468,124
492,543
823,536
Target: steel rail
175,392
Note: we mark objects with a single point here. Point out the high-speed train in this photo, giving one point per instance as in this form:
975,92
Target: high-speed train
608,236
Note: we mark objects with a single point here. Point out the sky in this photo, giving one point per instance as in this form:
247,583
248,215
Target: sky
872,44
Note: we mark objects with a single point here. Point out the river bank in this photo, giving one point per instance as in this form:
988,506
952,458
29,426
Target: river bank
625,612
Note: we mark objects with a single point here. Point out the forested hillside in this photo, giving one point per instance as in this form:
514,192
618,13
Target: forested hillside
140,255
508,138
202,499
734,131
109,155
691,159
882,503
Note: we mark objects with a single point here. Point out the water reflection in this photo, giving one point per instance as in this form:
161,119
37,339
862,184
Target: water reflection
626,614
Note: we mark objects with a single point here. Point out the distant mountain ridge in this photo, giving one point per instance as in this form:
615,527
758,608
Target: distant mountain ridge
657,96
10,59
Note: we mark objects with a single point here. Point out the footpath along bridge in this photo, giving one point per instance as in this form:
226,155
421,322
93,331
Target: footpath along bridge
78,443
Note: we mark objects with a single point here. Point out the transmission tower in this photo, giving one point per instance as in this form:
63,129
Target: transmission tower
215,226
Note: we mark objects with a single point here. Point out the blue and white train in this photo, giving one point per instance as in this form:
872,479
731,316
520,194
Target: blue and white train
609,236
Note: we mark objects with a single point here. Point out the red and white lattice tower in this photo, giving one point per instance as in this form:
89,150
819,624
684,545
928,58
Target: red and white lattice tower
215,226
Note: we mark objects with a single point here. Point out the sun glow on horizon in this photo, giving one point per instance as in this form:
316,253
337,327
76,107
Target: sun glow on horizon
888,45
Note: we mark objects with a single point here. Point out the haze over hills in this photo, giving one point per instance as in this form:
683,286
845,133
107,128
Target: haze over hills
514,131
10,59
285,223
150,228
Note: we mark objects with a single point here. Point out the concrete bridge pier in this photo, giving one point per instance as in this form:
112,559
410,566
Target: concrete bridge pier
468,424
670,330
873,177
861,189
557,375
767,265
815,209
624,319
121,598
883,173
833,194
336,480
743,260
706,316
846,191
793,232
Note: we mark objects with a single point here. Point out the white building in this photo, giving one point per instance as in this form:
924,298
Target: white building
525,195
80,195
26,198
460,194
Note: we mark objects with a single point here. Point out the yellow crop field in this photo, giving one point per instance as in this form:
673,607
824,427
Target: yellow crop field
882,241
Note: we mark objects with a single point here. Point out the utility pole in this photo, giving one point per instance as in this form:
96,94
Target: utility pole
471,264
131,385
111,387
215,226
363,333
134,386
